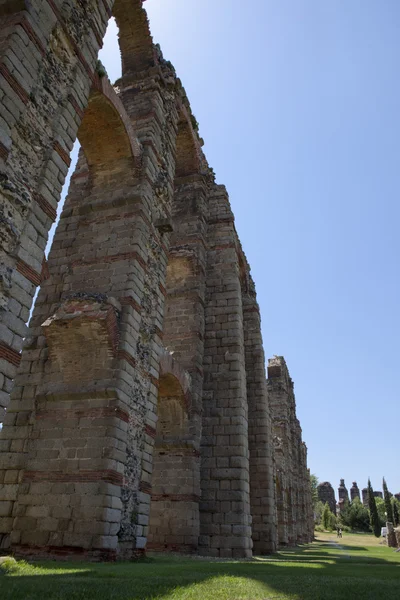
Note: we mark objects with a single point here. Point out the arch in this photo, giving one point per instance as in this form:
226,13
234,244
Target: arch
171,368
106,133
172,424
174,523
188,161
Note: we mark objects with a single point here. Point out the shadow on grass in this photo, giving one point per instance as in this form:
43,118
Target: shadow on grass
322,577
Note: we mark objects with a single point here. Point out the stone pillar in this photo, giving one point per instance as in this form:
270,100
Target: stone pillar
80,429
365,496
262,487
354,491
175,491
293,486
343,494
225,521
283,453
326,494
184,338
47,66
391,540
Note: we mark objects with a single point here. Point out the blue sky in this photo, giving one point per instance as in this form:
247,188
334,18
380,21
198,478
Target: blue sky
297,102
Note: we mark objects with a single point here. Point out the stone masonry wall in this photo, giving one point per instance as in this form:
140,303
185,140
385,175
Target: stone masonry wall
293,490
140,415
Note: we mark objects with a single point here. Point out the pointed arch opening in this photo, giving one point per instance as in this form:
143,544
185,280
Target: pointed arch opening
173,524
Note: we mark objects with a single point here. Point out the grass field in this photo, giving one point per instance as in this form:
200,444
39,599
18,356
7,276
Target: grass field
359,568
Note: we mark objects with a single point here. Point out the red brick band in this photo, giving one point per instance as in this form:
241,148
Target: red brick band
252,309
158,332
185,336
145,487
45,273
227,220
63,154
107,8
80,176
30,274
14,84
222,247
187,294
103,554
155,381
76,106
129,301
107,475
10,355
175,497
149,115
179,451
162,289
124,355
111,259
90,413
46,207
150,431
4,151
184,242
27,27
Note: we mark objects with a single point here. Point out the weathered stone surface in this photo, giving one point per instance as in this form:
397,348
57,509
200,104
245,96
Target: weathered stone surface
326,493
139,417
343,494
293,489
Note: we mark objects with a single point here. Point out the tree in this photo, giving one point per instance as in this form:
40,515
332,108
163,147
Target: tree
314,489
373,513
355,515
326,516
388,504
380,507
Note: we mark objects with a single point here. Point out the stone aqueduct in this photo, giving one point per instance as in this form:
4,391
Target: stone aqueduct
139,414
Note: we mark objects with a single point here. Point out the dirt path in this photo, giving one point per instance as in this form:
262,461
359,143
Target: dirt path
339,547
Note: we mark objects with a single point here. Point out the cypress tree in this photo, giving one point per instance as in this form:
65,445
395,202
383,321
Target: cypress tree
388,504
373,512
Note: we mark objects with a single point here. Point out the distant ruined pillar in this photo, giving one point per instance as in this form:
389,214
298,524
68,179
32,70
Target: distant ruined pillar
354,491
327,494
294,503
343,494
365,496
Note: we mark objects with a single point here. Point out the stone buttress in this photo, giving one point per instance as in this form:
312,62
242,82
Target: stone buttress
294,503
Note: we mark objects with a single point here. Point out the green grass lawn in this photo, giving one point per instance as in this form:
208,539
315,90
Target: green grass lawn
359,568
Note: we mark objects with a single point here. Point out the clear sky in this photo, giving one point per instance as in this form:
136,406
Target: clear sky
298,104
